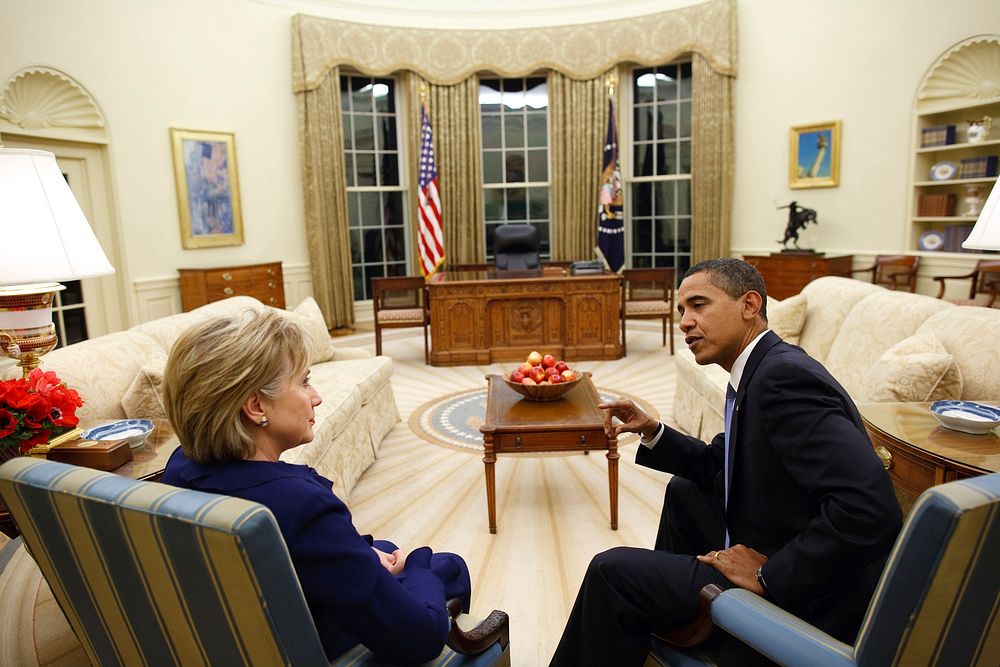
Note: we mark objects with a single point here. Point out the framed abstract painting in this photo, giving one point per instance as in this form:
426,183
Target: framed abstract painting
814,156
208,190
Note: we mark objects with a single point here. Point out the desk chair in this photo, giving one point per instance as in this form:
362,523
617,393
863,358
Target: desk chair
936,603
985,279
894,271
400,302
515,247
648,294
151,574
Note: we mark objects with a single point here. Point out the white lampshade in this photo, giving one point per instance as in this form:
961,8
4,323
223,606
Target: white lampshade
45,236
986,234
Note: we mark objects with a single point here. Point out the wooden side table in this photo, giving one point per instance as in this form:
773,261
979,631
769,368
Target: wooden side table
920,453
785,274
573,423
264,282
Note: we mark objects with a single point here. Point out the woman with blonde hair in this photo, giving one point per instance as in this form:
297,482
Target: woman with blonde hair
237,392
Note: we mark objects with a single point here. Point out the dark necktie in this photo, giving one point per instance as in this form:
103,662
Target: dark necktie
730,400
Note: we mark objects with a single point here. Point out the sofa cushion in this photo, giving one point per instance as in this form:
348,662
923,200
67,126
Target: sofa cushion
786,317
144,398
308,316
102,369
368,375
918,368
828,301
876,323
168,329
970,333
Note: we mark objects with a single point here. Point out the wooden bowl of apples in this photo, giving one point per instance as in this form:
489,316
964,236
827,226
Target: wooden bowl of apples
542,378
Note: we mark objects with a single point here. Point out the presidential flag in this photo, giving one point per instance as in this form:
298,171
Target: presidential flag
610,208
430,235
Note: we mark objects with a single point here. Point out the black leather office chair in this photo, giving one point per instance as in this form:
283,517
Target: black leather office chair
515,247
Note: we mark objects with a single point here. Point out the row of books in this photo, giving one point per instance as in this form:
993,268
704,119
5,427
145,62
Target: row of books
983,166
954,235
938,135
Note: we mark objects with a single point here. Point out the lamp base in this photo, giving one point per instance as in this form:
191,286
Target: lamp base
26,329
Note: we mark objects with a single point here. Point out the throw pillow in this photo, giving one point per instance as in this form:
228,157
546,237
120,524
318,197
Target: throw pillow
918,368
786,318
144,399
308,316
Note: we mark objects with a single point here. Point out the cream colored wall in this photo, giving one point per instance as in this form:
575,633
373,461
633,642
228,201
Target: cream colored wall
225,65
856,61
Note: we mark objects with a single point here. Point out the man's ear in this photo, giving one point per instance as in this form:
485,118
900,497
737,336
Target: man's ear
752,304
252,408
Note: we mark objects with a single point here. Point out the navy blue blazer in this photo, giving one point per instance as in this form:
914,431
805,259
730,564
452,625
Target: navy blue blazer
352,597
806,489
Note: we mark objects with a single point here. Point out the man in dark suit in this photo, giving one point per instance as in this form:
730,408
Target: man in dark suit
792,505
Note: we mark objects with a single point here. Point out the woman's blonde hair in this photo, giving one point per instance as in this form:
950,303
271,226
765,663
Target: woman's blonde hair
214,367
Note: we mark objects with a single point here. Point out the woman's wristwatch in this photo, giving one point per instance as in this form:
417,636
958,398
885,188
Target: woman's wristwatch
760,580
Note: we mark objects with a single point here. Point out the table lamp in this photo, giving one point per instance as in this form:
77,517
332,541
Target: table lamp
45,239
986,234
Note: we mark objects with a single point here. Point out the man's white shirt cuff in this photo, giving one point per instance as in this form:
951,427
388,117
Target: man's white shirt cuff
654,439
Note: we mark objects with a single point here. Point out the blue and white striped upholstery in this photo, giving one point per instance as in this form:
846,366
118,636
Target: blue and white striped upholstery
937,603
151,574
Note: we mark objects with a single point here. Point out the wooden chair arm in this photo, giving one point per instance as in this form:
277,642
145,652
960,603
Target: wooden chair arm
494,628
941,279
870,269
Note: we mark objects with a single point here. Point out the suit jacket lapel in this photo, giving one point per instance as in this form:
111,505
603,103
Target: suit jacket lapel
760,350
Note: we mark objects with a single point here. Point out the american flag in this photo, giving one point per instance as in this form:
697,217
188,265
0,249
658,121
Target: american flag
431,236
610,208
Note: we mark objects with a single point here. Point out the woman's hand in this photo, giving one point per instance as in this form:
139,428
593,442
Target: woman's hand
393,562
633,419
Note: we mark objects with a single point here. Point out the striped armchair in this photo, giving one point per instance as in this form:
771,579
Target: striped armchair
151,574
936,603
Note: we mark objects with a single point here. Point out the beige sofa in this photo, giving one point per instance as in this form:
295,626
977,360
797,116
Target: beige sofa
118,376
880,344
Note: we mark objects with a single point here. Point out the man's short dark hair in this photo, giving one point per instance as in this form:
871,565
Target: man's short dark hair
734,277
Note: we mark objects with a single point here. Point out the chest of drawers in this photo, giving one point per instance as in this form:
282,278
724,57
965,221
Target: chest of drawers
264,282
785,274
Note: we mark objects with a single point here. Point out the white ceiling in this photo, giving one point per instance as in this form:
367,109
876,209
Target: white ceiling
477,14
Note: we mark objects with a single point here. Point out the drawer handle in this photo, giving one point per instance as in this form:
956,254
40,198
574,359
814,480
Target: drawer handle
583,440
227,276
517,441
228,291
270,272
270,284
885,456
272,300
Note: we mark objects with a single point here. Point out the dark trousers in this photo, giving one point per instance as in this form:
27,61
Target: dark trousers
628,592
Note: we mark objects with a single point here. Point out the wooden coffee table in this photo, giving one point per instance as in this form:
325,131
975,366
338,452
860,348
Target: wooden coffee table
571,424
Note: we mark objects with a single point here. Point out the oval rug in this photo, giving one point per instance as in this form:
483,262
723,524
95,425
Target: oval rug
454,419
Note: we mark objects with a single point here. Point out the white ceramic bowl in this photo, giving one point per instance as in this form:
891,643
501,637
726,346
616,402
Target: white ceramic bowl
134,431
966,416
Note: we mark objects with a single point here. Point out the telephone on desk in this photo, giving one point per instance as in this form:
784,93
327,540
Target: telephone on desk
586,267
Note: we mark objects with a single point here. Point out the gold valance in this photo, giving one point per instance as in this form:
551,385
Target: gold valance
446,57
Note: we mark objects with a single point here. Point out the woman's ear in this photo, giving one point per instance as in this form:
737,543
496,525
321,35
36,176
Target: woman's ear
252,408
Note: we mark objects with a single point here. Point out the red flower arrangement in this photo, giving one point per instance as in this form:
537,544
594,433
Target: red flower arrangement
33,410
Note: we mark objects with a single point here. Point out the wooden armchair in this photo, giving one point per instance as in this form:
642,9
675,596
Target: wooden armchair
894,271
984,280
648,294
935,603
151,574
400,302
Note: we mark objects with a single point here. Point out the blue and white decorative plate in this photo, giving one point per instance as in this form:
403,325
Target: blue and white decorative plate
966,416
931,240
135,431
944,170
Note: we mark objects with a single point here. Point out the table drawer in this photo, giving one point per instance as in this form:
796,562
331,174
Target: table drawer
558,441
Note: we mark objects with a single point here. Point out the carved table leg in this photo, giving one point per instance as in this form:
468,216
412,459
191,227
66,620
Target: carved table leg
489,459
613,457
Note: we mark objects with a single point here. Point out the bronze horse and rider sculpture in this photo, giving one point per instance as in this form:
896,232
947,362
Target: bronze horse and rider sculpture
798,218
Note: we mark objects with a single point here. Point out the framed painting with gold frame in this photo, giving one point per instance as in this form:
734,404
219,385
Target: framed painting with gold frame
814,156
208,189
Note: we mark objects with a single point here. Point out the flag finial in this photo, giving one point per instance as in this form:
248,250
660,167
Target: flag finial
611,81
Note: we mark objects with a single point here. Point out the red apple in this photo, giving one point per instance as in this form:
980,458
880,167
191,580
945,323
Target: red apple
537,373
544,382
525,368
548,361
569,375
561,366
516,376
555,378
528,381
535,359
551,371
